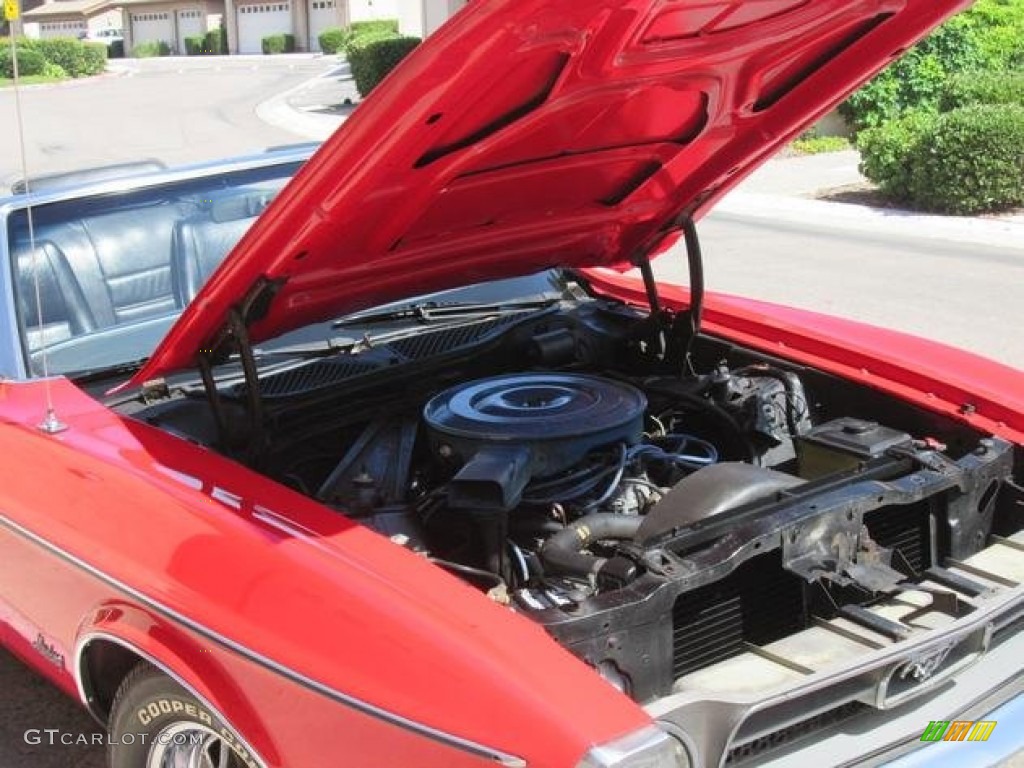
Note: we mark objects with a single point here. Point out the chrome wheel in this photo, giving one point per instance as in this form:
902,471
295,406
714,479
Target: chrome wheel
189,745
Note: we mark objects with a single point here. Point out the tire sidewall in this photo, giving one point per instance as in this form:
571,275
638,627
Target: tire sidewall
152,703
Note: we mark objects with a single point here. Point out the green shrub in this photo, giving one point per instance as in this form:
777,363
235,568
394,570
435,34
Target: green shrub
371,59
94,59
333,40
374,27
278,43
916,80
970,160
982,88
884,152
216,42
30,62
54,70
76,58
195,45
151,48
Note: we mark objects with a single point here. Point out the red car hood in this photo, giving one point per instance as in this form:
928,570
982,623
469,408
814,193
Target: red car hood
528,134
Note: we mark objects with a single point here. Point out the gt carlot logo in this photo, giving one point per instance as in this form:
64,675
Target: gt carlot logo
958,730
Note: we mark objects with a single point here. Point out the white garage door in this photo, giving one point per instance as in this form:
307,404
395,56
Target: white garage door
49,29
257,21
190,23
323,14
152,27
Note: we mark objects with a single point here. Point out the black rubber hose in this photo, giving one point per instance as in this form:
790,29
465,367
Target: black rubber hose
562,553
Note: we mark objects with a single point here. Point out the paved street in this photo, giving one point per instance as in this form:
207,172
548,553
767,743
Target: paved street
176,111
181,111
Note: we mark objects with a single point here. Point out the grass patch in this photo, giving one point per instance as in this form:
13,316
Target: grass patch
817,145
6,82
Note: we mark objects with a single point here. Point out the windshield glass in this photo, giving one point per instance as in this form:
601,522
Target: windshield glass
112,272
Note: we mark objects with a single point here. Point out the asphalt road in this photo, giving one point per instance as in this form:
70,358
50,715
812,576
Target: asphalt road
182,111
174,110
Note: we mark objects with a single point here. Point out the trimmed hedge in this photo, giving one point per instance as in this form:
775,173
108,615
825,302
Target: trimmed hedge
195,45
371,59
884,152
76,58
151,48
333,40
30,62
216,41
373,27
983,88
278,44
970,160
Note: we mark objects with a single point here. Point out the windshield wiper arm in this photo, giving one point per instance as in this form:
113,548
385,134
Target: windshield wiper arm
431,311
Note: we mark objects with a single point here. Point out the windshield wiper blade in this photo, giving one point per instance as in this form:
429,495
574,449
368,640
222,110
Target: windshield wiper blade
107,371
431,311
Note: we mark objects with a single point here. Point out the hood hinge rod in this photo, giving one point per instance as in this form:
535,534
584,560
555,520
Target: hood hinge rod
213,397
238,329
695,263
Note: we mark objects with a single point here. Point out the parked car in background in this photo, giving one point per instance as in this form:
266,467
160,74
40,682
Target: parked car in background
395,453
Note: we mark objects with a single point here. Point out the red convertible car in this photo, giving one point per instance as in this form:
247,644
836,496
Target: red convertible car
400,455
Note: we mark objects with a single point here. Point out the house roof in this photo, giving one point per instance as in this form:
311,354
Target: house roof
67,8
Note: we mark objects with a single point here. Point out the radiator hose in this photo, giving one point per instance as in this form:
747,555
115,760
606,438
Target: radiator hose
563,552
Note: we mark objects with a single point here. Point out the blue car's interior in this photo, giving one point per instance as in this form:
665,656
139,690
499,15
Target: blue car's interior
123,261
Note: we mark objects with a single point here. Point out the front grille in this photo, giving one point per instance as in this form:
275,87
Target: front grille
758,603
756,748
903,529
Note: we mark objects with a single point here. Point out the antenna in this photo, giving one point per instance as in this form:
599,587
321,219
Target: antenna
50,424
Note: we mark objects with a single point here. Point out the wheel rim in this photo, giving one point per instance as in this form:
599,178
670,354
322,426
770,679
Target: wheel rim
189,745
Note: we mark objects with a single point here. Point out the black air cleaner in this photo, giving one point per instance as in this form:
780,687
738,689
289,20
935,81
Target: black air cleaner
506,430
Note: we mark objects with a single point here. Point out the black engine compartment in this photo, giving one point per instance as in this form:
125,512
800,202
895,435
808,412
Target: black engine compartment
653,516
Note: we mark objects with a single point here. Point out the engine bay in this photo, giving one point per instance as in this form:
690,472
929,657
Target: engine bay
655,512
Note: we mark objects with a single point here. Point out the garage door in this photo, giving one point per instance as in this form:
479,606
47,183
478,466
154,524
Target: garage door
257,21
190,23
49,29
323,14
152,27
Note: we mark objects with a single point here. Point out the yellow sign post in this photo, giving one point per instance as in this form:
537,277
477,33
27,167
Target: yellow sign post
11,10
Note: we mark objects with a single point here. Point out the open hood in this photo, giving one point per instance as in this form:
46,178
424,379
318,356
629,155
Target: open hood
528,134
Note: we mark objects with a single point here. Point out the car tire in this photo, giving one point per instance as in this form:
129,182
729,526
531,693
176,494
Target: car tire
154,723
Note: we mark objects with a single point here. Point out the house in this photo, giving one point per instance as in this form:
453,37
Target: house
419,18
169,21
249,21
70,18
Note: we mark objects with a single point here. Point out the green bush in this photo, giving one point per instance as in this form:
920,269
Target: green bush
371,59
374,27
915,80
216,42
278,44
195,45
76,58
53,70
970,160
333,40
813,144
30,62
151,48
884,152
982,88
94,59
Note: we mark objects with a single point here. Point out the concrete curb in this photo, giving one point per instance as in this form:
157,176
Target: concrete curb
995,232
278,112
